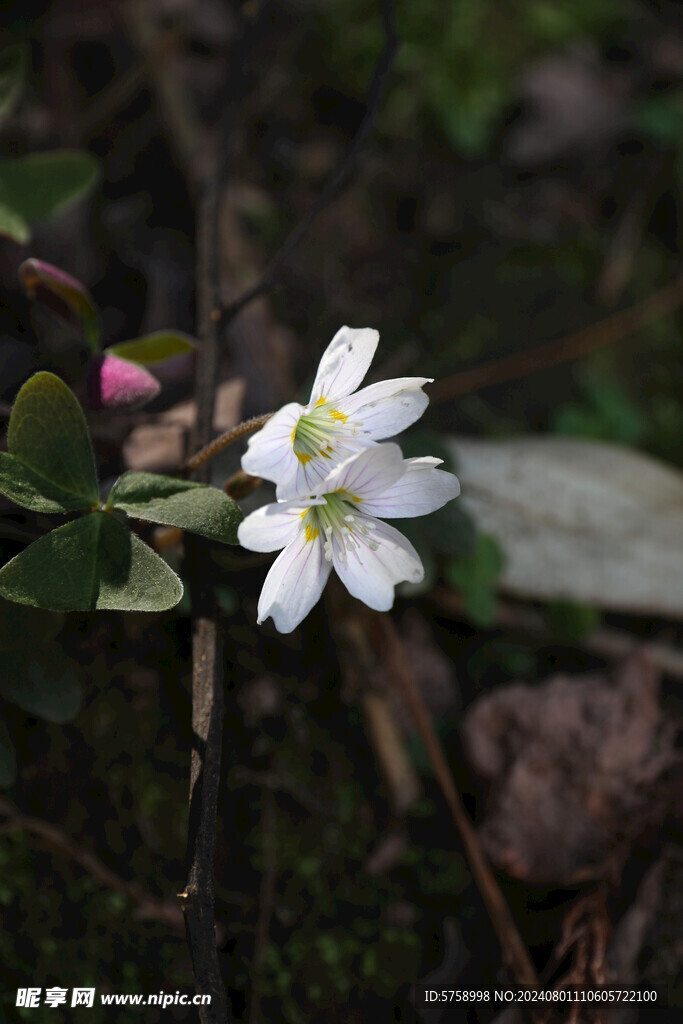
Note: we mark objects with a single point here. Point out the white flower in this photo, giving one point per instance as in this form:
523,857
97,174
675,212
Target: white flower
336,527
300,444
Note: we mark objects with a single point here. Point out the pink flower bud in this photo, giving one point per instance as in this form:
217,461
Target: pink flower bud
115,383
62,294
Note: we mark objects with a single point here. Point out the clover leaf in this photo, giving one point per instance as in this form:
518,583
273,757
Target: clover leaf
95,561
190,506
51,466
91,563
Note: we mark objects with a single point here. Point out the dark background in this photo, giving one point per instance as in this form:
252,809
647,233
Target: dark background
523,180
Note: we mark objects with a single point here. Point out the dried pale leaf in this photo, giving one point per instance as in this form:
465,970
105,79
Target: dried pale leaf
579,520
571,767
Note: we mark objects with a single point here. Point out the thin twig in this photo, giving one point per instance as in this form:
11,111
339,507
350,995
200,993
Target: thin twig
390,749
197,899
514,951
219,443
149,906
338,178
208,670
563,350
605,642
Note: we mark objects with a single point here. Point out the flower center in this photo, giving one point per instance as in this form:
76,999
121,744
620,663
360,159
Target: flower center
338,523
316,430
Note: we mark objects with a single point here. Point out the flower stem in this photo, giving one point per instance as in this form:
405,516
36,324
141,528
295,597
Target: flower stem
219,443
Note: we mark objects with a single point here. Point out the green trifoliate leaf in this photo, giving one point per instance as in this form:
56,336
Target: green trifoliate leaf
29,489
36,186
154,348
12,74
182,503
12,225
43,682
26,627
49,436
8,759
92,563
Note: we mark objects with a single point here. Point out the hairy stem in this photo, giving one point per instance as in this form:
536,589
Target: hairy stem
219,443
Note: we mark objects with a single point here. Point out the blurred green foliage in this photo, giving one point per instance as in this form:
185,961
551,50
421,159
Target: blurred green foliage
39,185
572,622
458,62
475,576
448,540
606,413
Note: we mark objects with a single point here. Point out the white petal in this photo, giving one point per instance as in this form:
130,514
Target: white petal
425,460
421,489
368,473
271,527
270,453
388,407
371,575
344,363
309,478
305,479
294,584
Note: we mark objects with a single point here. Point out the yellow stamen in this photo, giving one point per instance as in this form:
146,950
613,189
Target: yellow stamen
312,532
336,415
347,494
321,401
